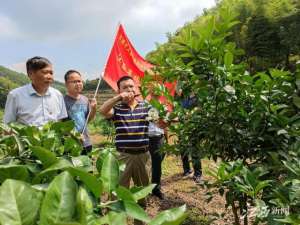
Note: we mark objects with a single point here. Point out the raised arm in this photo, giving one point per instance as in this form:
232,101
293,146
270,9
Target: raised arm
106,109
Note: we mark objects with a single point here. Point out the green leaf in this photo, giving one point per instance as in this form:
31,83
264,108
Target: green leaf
60,200
63,127
89,180
170,217
295,190
292,168
83,162
124,194
117,218
135,211
110,173
282,131
228,59
291,219
279,73
73,146
116,206
68,223
113,218
296,101
19,203
141,192
261,185
84,206
265,77
47,157
19,143
229,89
59,165
17,172
100,159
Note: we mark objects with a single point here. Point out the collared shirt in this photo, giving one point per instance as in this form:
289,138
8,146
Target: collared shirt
24,105
154,130
131,126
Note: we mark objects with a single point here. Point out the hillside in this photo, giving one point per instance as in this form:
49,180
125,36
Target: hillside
10,79
267,32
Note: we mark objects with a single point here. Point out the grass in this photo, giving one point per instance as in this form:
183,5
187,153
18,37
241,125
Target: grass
179,191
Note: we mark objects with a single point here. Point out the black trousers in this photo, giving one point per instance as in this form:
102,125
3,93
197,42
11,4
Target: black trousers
196,162
86,150
155,144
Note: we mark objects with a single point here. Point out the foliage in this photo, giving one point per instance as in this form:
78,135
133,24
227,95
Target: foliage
267,32
45,181
1,114
102,126
91,85
248,120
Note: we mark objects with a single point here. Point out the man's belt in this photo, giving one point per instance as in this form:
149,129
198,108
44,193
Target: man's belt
133,151
157,136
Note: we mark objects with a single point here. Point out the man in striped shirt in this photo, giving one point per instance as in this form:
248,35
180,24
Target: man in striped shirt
129,117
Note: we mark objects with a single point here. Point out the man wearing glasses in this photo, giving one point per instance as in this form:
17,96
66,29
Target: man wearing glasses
78,106
36,103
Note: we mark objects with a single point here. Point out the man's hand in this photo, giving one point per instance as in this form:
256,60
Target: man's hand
93,104
127,96
93,108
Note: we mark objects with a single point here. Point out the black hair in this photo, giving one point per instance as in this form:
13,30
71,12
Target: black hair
69,72
125,77
37,63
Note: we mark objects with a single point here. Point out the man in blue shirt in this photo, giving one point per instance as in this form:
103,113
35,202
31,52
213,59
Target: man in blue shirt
189,103
37,103
78,106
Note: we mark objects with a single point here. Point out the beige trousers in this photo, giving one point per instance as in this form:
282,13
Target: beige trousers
137,168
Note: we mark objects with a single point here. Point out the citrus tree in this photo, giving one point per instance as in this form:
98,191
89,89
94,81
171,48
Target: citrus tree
249,122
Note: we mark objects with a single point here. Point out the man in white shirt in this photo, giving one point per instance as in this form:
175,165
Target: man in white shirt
37,103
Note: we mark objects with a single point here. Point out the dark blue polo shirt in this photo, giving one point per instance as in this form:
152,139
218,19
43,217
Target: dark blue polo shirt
131,126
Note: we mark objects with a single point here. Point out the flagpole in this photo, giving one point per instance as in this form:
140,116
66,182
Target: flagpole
95,94
98,85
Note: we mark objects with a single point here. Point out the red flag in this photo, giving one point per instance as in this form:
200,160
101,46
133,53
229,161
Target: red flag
124,60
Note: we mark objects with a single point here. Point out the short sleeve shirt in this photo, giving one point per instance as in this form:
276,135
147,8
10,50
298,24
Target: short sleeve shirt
131,126
78,110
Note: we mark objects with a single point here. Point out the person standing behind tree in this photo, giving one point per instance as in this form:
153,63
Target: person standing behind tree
78,106
37,103
189,103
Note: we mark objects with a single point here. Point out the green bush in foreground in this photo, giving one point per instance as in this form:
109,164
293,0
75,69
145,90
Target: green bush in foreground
44,180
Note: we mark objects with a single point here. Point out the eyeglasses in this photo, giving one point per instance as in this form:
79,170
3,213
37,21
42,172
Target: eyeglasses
75,81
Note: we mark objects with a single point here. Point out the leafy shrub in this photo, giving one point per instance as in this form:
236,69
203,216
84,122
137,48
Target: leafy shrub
44,180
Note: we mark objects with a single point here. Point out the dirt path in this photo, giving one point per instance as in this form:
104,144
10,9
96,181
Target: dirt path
179,191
